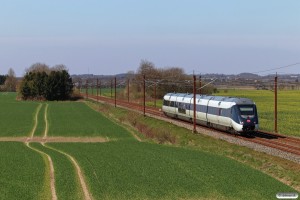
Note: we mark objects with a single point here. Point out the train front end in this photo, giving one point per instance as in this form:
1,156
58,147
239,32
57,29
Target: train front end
246,118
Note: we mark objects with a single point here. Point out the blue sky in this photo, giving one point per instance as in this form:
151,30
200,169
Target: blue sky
110,37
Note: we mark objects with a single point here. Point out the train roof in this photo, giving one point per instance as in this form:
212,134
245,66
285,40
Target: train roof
236,100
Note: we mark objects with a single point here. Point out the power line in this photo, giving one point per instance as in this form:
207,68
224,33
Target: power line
273,69
207,84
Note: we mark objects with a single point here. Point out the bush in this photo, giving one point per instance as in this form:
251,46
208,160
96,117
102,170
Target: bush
39,85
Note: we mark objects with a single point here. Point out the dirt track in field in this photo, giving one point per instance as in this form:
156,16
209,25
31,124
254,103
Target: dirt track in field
84,187
55,139
45,139
51,172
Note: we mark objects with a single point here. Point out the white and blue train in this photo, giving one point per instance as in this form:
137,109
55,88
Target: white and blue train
226,113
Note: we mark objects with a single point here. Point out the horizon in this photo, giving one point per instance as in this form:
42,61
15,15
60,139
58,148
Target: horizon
219,74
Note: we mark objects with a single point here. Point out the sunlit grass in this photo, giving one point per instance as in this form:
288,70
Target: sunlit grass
77,119
160,131
195,167
16,117
66,180
22,174
133,170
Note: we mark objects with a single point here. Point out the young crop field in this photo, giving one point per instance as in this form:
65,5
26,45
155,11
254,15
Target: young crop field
120,166
134,170
23,174
16,117
67,183
288,108
76,119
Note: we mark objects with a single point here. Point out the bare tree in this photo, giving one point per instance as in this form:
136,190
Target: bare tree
38,67
11,81
148,68
59,68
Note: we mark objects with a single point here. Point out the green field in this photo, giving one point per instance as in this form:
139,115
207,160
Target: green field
67,184
134,170
17,118
106,92
288,108
23,173
76,119
122,167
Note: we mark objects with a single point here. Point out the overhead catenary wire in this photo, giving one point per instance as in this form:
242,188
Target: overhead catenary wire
207,84
276,68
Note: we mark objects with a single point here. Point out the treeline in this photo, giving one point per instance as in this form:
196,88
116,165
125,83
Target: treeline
8,82
160,81
44,83
2,79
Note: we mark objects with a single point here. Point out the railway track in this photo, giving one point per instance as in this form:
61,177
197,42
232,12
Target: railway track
273,140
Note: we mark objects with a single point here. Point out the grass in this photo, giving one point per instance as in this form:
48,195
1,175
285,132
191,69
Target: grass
281,169
16,116
77,119
40,129
186,166
133,170
66,181
107,92
22,174
288,108
152,104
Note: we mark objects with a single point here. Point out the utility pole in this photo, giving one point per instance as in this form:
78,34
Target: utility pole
100,88
97,90
80,86
111,88
155,94
128,90
275,104
115,91
144,95
194,107
86,88
92,85
200,85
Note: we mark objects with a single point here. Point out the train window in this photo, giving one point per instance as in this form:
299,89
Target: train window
172,104
226,112
188,106
166,103
247,110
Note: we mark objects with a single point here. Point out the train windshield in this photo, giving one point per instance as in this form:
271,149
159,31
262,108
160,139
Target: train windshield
247,110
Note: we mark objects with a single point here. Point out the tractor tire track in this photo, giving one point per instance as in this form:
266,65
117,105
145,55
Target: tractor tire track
35,120
87,194
50,162
51,172
85,190
46,121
